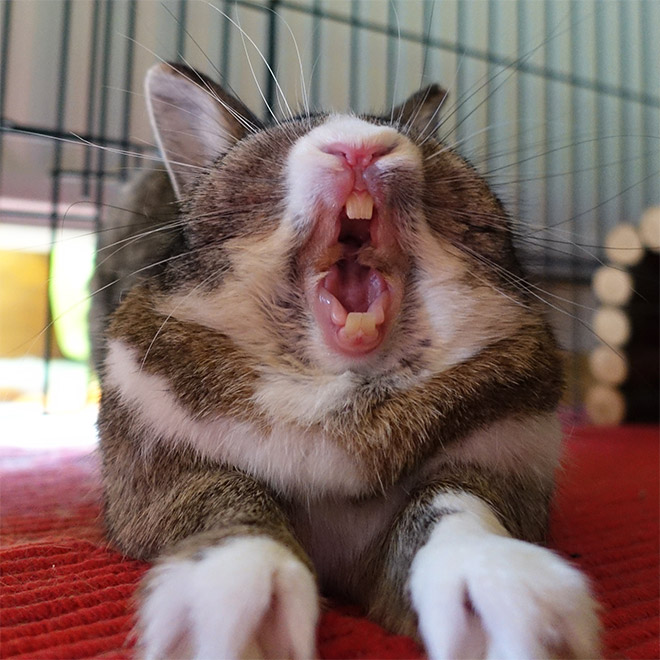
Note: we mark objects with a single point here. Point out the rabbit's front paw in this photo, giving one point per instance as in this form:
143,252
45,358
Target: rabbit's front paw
248,598
494,597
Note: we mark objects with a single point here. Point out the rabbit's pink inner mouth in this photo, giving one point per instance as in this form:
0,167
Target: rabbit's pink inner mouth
354,302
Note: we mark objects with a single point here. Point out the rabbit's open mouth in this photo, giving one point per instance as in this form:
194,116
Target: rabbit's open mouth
359,290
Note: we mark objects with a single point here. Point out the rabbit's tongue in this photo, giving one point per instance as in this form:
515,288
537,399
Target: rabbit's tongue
359,291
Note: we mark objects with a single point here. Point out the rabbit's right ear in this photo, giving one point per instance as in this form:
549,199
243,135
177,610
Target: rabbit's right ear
194,120
421,110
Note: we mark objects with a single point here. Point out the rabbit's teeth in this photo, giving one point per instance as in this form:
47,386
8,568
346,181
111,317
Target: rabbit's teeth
338,312
355,331
363,326
360,204
360,323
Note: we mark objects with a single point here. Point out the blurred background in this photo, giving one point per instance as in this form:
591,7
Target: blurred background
557,102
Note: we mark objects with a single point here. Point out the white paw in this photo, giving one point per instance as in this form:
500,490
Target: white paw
248,598
496,597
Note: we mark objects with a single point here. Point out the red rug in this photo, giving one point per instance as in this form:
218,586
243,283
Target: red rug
65,594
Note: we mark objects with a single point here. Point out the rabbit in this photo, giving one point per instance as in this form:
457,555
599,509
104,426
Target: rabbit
330,379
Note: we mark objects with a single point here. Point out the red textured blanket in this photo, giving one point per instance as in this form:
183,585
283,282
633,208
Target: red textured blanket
65,594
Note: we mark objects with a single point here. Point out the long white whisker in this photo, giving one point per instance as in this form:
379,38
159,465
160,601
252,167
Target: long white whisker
398,60
239,118
170,315
521,283
605,201
485,80
82,301
152,158
245,35
428,20
568,145
248,125
431,122
80,141
300,64
456,144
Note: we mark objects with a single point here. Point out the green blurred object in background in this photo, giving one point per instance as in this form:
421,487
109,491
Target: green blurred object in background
72,263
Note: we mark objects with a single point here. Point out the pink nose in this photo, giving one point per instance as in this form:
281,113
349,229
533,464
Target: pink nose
358,158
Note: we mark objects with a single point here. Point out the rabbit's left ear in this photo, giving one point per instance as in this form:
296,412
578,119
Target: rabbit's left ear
421,111
195,121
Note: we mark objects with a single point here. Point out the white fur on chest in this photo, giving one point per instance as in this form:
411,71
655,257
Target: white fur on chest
301,463
308,465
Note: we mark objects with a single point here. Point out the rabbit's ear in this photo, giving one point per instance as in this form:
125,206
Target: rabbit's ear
194,120
421,111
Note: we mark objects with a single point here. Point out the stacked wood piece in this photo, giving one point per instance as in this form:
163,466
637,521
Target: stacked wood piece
626,364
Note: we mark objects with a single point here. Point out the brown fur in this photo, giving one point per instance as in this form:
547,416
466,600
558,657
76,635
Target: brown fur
520,502
188,356
134,237
391,432
163,500
460,207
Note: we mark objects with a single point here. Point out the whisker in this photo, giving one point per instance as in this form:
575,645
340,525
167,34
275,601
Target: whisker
428,20
579,170
457,143
32,341
299,58
487,80
392,6
576,319
430,123
244,36
606,201
569,145
519,282
239,118
201,284
80,141
248,125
